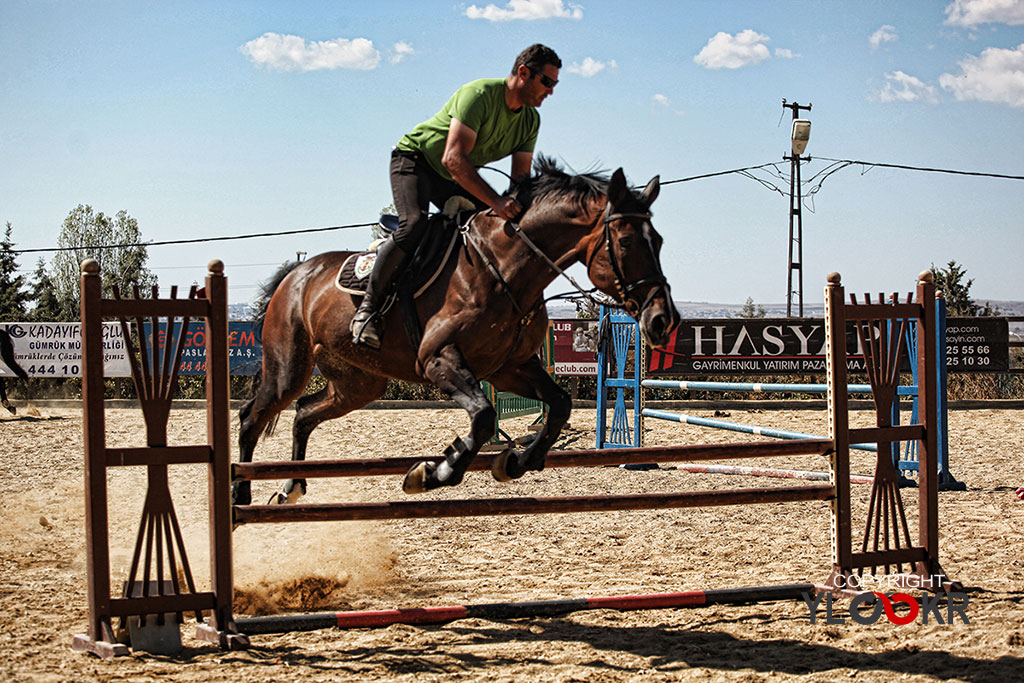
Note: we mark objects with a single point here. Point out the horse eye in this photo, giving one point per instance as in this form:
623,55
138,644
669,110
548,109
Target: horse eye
625,242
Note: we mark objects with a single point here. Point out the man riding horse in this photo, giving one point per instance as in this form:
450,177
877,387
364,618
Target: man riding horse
483,314
484,121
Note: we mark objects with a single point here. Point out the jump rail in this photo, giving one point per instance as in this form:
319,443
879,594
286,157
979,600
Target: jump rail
886,541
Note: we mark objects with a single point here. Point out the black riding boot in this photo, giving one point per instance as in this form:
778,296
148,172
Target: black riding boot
367,324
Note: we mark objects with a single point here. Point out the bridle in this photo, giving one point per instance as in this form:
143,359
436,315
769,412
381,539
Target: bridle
625,299
623,288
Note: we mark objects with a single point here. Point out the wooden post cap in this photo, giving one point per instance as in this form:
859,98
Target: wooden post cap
834,278
216,267
91,266
926,276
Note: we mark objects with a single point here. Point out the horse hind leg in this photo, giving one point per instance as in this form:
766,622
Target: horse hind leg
448,371
282,384
3,397
347,390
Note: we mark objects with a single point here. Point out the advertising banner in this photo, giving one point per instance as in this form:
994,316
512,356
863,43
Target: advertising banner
775,346
575,347
977,344
245,352
55,349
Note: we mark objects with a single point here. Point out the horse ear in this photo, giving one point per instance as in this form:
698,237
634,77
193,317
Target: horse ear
650,192
617,189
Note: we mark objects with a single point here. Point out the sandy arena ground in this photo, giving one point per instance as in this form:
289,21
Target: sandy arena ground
376,565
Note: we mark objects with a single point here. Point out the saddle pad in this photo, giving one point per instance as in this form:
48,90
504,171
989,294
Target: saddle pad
355,272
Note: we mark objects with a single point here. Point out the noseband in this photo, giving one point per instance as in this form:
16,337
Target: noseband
623,288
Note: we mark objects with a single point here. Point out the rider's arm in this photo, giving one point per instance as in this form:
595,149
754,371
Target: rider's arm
521,164
461,139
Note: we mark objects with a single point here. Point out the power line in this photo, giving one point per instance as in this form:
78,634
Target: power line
201,239
720,173
746,171
850,162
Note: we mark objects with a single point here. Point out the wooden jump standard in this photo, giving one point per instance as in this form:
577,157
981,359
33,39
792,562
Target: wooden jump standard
160,548
886,541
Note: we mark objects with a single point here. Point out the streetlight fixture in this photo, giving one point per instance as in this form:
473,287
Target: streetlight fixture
799,137
801,134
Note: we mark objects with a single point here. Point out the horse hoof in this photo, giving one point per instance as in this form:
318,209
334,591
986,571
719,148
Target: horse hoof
499,465
278,498
241,495
416,479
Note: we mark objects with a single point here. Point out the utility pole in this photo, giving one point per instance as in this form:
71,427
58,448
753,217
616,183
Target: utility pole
799,137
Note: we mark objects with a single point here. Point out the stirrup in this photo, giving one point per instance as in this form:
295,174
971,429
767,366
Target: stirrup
359,337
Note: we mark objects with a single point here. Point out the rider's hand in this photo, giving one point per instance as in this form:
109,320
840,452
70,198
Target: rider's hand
507,208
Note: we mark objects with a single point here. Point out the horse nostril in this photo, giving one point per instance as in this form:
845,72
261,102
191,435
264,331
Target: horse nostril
658,327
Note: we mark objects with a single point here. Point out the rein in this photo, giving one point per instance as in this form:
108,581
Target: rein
625,300
624,290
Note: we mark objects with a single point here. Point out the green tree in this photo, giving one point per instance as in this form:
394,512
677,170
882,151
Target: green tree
115,242
44,296
376,231
752,310
12,295
587,308
953,283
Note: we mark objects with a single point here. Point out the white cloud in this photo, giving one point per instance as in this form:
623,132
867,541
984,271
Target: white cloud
662,103
292,53
399,51
589,67
996,75
527,10
724,51
902,87
885,34
783,53
969,13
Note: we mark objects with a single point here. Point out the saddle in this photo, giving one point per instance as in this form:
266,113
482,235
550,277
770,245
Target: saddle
424,267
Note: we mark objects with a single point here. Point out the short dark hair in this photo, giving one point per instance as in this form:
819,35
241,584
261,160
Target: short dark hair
535,57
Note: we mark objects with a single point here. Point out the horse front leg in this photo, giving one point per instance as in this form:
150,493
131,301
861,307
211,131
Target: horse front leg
449,372
532,381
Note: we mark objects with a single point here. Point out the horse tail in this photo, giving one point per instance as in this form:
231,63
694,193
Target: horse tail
267,290
268,431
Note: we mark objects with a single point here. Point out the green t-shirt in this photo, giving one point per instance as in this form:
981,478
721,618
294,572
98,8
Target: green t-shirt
481,106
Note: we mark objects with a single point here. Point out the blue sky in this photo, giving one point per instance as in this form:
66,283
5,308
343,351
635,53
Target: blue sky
215,118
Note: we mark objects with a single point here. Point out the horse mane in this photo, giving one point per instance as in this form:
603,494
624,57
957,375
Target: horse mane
550,182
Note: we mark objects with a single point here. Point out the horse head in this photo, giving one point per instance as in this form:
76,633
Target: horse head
625,259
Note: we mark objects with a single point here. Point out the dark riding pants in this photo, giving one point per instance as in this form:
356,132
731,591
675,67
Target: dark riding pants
414,185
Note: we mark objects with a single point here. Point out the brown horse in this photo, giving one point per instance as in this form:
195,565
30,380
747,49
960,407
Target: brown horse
483,318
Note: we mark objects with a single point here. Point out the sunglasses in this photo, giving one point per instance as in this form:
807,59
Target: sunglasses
545,80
